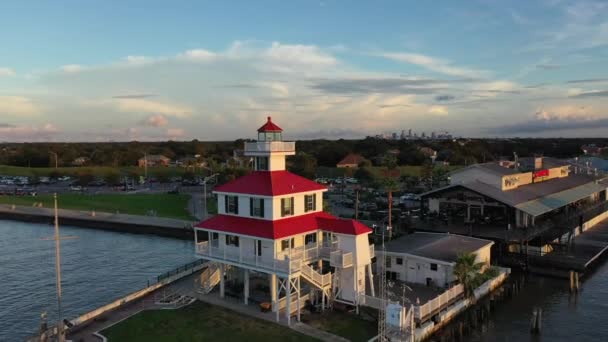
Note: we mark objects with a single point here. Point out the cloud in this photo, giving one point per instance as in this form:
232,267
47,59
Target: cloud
18,106
198,55
134,96
442,98
138,60
589,80
388,85
438,65
7,72
300,54
338,133
157,120
139,105
72,68
174,133
595,93
556,119
6,125
548,66
438,110
28,133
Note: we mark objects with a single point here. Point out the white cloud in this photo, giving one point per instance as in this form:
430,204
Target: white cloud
438,110
174,133
28,133
7,72
198,55
299,54
438,65
566,112
138,60
72,68
157,120
18,106
149,106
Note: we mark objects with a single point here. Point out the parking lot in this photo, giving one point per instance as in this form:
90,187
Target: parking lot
24,186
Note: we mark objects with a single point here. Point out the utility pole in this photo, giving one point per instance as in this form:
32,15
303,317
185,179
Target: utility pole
58,238
382,310
56,157
205,192
60,335
146,165
357,206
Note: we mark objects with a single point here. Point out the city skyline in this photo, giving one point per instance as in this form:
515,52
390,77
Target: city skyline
209,71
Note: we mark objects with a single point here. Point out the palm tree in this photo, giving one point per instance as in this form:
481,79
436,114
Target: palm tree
466,271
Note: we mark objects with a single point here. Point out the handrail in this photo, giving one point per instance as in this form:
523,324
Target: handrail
270,146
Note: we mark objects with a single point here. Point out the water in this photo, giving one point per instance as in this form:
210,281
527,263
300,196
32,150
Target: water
97,267
566,317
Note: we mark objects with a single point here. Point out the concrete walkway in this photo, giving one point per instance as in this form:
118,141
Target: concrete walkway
101,220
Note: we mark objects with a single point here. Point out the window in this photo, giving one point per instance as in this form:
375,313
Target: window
261,163
388,262
310,203
256,207
286,206
259,251
310,238
232,204
433,267
399,261
285,244
232,240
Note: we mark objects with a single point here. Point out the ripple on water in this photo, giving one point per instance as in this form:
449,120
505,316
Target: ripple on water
97,267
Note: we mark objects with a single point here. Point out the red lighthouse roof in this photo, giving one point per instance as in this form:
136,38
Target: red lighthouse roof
269,126
270,183
278,229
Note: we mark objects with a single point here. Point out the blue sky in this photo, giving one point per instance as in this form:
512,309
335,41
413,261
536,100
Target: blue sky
152,70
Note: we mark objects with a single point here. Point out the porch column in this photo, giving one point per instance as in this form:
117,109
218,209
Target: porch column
468,212
370,275
298,294
273,293
246,287
222,281
288,298
320,265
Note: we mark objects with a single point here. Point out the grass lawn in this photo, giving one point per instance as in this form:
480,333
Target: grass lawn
344,324
198,322
97,171
165,205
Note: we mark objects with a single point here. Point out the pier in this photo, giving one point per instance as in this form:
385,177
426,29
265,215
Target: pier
161,226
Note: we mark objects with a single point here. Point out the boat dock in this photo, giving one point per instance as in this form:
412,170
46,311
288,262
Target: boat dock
586,250
100,220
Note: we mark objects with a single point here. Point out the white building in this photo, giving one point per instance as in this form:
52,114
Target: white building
429,258
271,222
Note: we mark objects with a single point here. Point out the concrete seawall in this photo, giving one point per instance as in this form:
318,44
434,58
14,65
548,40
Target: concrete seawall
168,227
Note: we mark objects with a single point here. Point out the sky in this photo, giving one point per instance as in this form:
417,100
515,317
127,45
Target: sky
214,70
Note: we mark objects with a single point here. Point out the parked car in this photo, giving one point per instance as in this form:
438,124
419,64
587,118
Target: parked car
76,188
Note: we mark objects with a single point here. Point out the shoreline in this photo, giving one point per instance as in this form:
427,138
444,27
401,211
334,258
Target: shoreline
135,224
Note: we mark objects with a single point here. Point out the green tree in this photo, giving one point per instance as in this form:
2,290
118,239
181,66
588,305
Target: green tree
84,179
364,175
304,165
112,178
466,271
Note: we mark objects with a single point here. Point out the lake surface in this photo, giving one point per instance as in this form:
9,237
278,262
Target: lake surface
566,317
100,266
97,267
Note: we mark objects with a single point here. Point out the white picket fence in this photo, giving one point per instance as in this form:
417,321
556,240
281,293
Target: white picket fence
439,303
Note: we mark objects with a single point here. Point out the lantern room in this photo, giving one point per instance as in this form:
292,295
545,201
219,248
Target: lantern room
270,131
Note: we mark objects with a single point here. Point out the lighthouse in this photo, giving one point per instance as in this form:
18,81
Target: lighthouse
271,225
